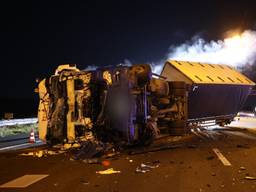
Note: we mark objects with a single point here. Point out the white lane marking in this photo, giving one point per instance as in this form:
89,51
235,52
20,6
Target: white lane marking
17,146
221,157
23,181
14,146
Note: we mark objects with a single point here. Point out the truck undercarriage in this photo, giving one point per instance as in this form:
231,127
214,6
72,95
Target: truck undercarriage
127,105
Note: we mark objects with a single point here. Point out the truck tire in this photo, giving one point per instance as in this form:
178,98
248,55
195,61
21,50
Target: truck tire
143,73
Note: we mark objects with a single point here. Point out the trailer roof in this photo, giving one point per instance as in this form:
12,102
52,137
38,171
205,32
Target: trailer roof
202,73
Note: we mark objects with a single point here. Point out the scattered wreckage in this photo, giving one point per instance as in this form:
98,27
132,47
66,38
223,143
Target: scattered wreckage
130,105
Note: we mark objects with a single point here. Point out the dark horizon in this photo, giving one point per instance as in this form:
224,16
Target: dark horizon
37,36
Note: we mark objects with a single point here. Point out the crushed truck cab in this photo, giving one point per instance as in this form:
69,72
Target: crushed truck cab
131,105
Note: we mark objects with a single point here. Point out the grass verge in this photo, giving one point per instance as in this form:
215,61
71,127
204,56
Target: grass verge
17,129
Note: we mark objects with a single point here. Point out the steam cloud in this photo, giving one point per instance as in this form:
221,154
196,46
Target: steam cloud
126,62
91,68
237,51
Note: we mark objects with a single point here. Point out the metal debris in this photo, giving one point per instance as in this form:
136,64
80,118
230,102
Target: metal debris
146,167
66,146
42,153
84,182
89,150
92,161
108,171
76,145
142,170
113,153
250,178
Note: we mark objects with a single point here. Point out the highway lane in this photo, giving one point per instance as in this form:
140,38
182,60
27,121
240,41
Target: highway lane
192,166
16,142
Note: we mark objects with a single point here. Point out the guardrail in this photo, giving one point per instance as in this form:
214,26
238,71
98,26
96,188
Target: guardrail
18,121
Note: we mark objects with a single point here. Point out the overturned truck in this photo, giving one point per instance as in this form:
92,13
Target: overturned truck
131,105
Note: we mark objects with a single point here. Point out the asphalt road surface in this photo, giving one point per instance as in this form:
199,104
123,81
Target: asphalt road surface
18,142
213,160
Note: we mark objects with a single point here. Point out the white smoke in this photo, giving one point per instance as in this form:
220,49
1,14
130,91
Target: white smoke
90,68
158,66
127,62
236,51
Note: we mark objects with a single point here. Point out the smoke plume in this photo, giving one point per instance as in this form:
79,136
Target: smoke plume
91,68
237,51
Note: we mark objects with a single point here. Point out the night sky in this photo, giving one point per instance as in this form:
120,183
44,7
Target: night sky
36,35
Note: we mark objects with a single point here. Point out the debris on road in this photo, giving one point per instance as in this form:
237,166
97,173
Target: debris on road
250,178
42,153
142,170
57,149
55,184
92,161
108,171
210,158
146,167
66,146
84,182
191,146
39,154
242,168
92,149
111,154
76,145
245,146
88,150
105,163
